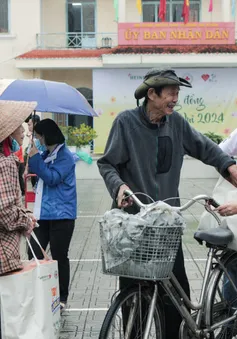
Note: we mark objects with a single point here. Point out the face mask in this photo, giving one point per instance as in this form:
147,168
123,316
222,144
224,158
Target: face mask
15,146
41,148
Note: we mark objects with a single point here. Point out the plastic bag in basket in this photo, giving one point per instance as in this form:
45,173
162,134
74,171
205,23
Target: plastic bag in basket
161,238
123,234
120,233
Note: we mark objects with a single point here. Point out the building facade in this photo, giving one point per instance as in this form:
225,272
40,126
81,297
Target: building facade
71,40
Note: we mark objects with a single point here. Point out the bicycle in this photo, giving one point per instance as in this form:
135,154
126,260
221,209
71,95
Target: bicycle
215,314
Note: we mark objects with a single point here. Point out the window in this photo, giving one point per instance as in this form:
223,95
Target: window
4,26
81,16
81,23
173,10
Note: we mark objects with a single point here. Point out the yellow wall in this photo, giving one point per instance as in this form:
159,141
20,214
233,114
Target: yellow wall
105,16
132,14
54,16
215,15
21,38
75,78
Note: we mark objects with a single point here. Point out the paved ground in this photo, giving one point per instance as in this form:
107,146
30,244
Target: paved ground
91,291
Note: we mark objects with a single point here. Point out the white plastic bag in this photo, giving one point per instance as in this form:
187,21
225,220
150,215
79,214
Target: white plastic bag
29,301
121,233
223,192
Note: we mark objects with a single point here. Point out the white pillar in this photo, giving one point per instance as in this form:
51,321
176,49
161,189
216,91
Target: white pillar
226,11
122,11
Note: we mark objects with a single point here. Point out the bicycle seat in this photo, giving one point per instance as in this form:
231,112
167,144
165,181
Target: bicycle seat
215,236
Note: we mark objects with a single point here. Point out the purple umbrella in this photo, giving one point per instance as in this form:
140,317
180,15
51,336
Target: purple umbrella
51,96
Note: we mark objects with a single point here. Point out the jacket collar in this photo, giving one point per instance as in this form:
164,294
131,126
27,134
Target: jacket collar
146,121
52,156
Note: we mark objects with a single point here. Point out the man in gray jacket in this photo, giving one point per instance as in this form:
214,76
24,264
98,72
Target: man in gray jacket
144,153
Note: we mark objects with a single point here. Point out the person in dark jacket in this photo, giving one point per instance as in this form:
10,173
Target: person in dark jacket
56,198
144,153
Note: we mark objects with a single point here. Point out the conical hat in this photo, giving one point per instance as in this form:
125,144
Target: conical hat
12,115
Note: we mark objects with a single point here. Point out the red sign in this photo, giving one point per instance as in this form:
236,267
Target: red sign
176,33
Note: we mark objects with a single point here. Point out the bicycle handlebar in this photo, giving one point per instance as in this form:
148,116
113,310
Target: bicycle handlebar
209,200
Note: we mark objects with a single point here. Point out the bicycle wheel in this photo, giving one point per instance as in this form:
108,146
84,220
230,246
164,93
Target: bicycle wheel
127,315
222,299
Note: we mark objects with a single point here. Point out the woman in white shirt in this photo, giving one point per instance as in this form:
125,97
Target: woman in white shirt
229,146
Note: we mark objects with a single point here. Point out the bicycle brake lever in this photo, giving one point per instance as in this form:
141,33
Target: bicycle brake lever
213,203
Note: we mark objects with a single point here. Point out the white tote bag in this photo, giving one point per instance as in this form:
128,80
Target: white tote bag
29,301
223,192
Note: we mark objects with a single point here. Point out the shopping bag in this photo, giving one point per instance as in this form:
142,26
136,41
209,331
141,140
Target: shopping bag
29,301
223,192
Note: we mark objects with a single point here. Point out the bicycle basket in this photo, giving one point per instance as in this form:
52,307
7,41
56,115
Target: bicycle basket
151,253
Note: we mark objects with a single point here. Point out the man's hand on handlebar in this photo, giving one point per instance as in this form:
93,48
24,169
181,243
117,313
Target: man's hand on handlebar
122,201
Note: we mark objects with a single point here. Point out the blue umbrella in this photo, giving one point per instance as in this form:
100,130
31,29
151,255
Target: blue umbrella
51,96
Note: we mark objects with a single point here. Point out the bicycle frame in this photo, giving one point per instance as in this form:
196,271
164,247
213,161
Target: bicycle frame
183,304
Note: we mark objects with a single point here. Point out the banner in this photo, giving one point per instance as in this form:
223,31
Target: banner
210,106
176,33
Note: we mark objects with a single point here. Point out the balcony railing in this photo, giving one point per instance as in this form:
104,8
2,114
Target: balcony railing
76,40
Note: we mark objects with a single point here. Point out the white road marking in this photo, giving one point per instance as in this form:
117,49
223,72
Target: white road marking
198,259
84,309
101,215
89,216
98,260
85,260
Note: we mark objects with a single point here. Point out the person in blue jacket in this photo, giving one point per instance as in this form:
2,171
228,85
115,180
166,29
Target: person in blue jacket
56,198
